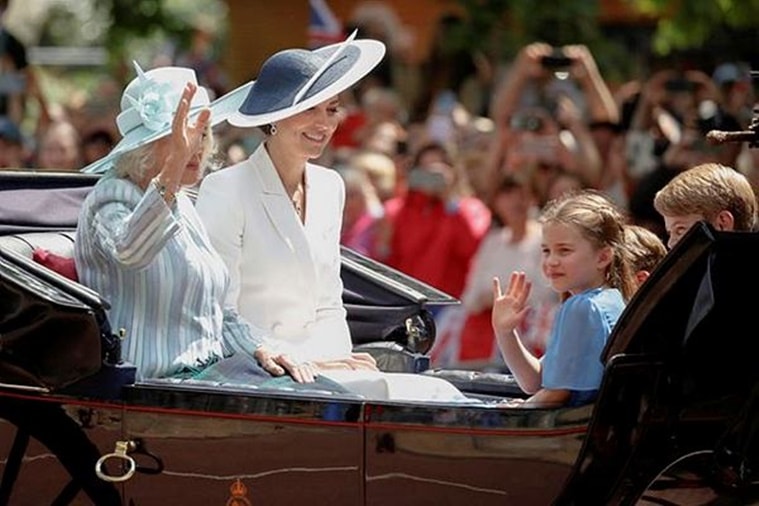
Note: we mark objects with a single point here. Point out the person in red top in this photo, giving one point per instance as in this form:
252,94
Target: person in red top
435,227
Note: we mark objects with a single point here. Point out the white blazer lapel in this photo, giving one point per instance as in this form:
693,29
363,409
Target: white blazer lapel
281,214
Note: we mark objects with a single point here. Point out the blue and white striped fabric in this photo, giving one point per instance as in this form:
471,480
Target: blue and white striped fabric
165,282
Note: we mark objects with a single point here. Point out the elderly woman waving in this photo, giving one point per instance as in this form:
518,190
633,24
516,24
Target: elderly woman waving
140,243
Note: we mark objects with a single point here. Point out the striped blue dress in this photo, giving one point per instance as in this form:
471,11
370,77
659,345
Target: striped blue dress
164,281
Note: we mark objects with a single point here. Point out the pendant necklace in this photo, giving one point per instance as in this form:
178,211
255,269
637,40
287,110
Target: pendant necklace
297,199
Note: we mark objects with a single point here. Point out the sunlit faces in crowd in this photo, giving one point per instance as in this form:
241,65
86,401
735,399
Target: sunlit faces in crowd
59,148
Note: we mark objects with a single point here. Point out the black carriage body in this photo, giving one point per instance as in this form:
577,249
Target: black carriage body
678,387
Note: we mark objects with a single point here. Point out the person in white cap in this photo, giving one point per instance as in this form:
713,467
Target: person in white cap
141,245
275,219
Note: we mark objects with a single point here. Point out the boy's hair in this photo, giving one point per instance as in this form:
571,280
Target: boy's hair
706,190
646,249
603,224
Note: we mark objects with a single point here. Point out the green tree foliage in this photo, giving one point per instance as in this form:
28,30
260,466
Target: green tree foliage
688,24
146,20
706,30
137,19
499,28
83,23
129,29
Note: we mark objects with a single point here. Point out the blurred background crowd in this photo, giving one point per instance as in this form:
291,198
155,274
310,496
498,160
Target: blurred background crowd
481,112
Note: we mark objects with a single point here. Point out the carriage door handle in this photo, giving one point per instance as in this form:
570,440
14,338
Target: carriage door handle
119,453
135,447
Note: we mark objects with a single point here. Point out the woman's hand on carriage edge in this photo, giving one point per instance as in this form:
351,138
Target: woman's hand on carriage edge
307,371
278,364
356,361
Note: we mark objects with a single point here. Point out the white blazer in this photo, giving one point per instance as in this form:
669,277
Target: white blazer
285,275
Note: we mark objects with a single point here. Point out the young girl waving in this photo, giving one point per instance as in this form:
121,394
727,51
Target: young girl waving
584,259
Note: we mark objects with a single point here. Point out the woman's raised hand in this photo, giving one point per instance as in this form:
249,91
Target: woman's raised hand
184,141
186,138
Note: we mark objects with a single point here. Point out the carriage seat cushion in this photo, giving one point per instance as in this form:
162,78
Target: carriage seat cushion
64,266
54,250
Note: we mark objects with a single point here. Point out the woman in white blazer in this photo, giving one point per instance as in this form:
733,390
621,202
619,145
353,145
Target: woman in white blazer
285,266
275,219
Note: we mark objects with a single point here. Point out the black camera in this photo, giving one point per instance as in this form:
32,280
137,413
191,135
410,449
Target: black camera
556,60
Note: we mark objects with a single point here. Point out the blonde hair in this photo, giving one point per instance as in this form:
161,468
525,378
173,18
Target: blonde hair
135,163
356,180
603,224
706,190
645,247
380,169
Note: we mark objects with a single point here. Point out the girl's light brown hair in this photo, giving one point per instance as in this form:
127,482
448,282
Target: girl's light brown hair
645,247
601,223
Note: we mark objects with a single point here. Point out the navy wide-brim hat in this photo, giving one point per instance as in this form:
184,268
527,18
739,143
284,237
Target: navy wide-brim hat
294,80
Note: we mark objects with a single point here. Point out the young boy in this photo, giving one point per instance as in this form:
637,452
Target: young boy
710,192
646,251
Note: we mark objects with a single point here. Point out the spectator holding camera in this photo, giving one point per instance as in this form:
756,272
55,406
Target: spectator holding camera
736,91
435,226
532,144
674,112
566,85
540,69
652,128
676,109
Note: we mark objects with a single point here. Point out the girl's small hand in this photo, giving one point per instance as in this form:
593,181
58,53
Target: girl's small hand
510,308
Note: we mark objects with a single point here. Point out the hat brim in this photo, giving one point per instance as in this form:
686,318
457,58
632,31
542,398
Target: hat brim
221,109
371,53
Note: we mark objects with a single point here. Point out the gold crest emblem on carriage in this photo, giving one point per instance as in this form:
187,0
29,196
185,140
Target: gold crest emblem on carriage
239,494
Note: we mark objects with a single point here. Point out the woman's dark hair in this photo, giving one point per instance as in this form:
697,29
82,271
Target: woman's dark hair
432,147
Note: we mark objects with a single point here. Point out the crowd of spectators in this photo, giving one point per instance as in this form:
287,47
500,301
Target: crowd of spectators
443,182
468,184
472,172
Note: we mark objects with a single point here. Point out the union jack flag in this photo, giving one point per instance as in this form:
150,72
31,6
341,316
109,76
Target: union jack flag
323,28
